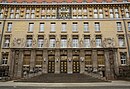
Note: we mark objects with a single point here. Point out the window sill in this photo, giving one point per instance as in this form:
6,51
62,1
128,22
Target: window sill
97,31
41,32
86,31
52,31
30,32
120,31
75,31
8,31
124,47
63,31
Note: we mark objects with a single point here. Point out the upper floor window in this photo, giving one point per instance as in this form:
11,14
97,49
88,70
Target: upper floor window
53,27
98,41
17,15
4,58
9,29
97,26
27,15
29,41
87,41
128,26
74,27
33,11
75,42
123,57
119,26
32,15
86,26
40,41
63,43
63,27
121,41
52,42
41,27
11,15
7,41
1,15
31,27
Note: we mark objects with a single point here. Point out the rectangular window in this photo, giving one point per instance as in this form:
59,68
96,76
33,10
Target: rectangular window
123,57
11,15
29,41
1,15
86,27
53,27
74,29
119,26
75,43
32,15
128,26
31,27
121,41
7,42
111,15
40,42
88,60
97,26
17,16
4,59
9,29
63,43
100,58
52,43
87,42
98,42
27,15
41,27
63,27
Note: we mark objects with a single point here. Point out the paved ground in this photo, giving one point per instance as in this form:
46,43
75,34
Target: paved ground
99,87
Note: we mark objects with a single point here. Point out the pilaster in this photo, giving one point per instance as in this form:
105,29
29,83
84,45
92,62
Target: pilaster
94,58
57,61
20,63
69,62
82,62
32,60
45,61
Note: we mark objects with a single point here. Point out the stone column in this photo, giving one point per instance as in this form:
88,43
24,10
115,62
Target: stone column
69,62
107,63
116,65
32,60
20,64
82,61
94,59
45,61
57,61
11,65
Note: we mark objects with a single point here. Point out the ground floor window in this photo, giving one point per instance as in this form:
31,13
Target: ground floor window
123,57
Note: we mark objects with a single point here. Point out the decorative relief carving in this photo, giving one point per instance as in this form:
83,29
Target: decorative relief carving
57,43
18,42
108,43
93,43
69,43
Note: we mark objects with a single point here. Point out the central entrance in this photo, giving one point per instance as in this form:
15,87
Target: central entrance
51,64
63,64
76,64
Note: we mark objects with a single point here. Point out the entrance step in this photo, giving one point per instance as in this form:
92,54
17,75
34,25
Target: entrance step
62,78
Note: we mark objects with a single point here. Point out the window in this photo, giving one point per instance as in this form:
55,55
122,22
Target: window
31,27
128,26
121,41
29,42
63,43
1,15
97,26
98,42
87,42
75,43
86,28
52,43
63,27
9,29
119,27
7,42
123,57
41,27
4,58
27,15
95,13
100,58
11,15
53,26
33,10
40,41
32,15
127,15
116,15
17,16
74,27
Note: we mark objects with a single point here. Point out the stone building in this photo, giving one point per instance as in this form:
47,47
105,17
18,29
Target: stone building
64,36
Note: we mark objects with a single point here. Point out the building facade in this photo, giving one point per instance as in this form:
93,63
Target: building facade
64,36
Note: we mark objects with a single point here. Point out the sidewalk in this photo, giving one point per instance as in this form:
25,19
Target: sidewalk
113,83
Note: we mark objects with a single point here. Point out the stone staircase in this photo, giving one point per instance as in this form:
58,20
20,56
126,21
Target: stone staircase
62,78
